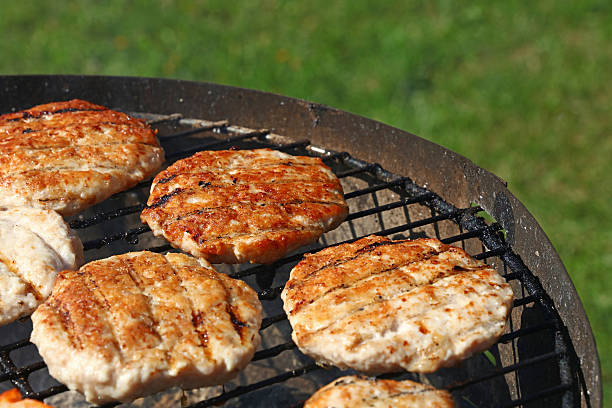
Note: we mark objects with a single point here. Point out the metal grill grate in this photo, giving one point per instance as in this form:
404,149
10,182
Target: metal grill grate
529,366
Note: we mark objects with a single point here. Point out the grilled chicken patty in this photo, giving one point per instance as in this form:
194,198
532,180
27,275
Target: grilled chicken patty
134,324
246,205
36,245
67,156
378,305
359,392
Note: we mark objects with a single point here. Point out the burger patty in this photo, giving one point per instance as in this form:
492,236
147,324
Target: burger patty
36,245
134,324
67,156
360,392
378,305
236,206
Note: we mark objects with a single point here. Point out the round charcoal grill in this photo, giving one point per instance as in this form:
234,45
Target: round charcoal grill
395,183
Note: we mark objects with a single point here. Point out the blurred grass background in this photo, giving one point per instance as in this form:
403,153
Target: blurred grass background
524,89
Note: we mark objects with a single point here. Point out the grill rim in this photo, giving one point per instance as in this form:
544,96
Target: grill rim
438,168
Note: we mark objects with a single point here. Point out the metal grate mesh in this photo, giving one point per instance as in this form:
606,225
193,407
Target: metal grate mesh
529,366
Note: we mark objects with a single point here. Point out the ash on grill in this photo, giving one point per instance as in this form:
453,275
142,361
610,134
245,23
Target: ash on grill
529,366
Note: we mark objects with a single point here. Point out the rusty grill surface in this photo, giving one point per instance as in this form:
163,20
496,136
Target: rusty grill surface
533,363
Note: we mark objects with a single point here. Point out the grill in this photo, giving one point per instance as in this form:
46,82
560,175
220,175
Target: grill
547,357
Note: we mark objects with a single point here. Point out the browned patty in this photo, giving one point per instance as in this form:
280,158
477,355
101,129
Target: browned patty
133,324
361,392
246,205
378,305
67,156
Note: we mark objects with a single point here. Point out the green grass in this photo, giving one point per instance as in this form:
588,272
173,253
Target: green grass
521,88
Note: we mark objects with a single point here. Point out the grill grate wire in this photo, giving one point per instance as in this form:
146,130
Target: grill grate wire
175,130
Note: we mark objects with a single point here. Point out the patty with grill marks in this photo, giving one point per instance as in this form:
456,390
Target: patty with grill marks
239,206
36,245
134,324
67,156
378,305
361,392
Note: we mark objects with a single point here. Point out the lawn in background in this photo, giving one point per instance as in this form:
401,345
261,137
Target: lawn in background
522,89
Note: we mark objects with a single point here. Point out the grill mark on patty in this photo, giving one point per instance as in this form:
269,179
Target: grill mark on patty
194,191
339,319
30,287
60,169
201,240
54,122
327,261
163,200
224,184
375,301
98,126
48,178
81,302
44,170
130,127
374,245
373,392
343,286
58,199
343,382
237,323
307,335
249,166
68,325
362,252
137,280
20,149
414,389
27,115
380,299
396,395
54,106
166,179
433,300
79,151
66,321
104,313
197,321
251,204
328,265
28,177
